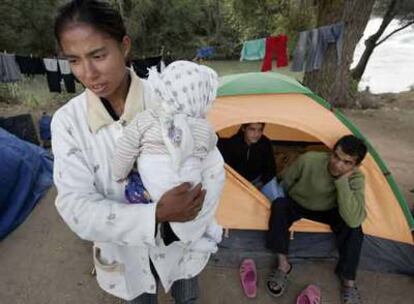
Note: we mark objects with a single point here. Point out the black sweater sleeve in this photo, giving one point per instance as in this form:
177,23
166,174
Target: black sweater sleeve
268,164
224,146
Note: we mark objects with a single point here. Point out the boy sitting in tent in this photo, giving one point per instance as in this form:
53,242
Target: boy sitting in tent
328,188
249,152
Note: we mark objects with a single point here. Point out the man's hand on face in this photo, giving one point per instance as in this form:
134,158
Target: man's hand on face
347,174
180,204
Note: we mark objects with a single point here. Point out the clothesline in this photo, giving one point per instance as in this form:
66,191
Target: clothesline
57,70
312,45
309,51
266,49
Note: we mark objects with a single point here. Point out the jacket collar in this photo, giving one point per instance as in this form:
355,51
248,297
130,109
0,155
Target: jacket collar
98,116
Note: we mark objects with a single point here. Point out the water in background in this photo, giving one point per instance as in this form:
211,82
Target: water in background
391,66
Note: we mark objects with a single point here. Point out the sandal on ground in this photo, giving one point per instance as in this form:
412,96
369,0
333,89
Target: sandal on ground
310,295
350,295
248,278
277,282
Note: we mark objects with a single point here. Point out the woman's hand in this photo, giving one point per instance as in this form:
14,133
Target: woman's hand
180,204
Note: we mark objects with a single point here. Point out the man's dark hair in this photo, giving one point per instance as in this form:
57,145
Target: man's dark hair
353,146
243,127
97,14
249,123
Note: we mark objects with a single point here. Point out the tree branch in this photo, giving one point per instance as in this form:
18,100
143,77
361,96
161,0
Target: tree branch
386,20
393,32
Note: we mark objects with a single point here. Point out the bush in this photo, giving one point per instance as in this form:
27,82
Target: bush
8,93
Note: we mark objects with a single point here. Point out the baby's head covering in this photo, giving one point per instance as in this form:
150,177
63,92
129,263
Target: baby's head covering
184,92
185,87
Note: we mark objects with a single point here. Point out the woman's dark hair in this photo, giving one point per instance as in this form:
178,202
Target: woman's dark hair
353,146
98,14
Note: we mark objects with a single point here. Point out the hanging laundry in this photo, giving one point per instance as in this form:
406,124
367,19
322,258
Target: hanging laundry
9,70
276,46
30,65
327,35
253,50
53,74
305,51
312,46
67,75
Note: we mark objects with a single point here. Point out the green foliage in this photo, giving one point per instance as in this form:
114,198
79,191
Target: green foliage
7,94
175,26
257,18
353,87
403,10
404,7
178,26
26,26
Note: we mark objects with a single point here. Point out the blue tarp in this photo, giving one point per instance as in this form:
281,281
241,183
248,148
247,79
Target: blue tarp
25,175
205,52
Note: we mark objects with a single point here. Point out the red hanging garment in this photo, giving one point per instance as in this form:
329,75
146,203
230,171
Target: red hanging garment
275,46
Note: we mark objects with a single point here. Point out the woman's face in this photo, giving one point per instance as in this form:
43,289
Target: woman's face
96,59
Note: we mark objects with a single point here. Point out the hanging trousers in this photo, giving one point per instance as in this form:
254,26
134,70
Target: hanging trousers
275,47
285,211
69,81
53,81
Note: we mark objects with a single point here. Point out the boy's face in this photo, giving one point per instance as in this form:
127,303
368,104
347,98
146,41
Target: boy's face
341,163
253,132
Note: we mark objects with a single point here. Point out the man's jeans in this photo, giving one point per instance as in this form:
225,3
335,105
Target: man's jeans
183,292
272,190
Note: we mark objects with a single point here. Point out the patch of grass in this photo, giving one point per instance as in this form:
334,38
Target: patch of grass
33,92
226,67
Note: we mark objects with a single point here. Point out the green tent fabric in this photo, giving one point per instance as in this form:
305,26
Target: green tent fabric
257,83
294,114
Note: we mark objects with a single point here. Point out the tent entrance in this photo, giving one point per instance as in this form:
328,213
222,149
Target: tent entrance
275,132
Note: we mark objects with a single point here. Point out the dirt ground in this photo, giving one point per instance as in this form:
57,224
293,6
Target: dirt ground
390,129
44,262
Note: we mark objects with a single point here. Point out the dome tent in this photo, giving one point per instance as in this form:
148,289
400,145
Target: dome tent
294,114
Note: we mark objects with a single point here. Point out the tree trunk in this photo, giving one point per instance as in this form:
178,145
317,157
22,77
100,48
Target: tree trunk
371,42
333,82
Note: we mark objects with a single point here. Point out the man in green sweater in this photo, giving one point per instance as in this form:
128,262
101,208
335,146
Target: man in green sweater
328,188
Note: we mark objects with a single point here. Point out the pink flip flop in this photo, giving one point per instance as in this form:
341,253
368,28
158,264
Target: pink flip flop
310,295
248,278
